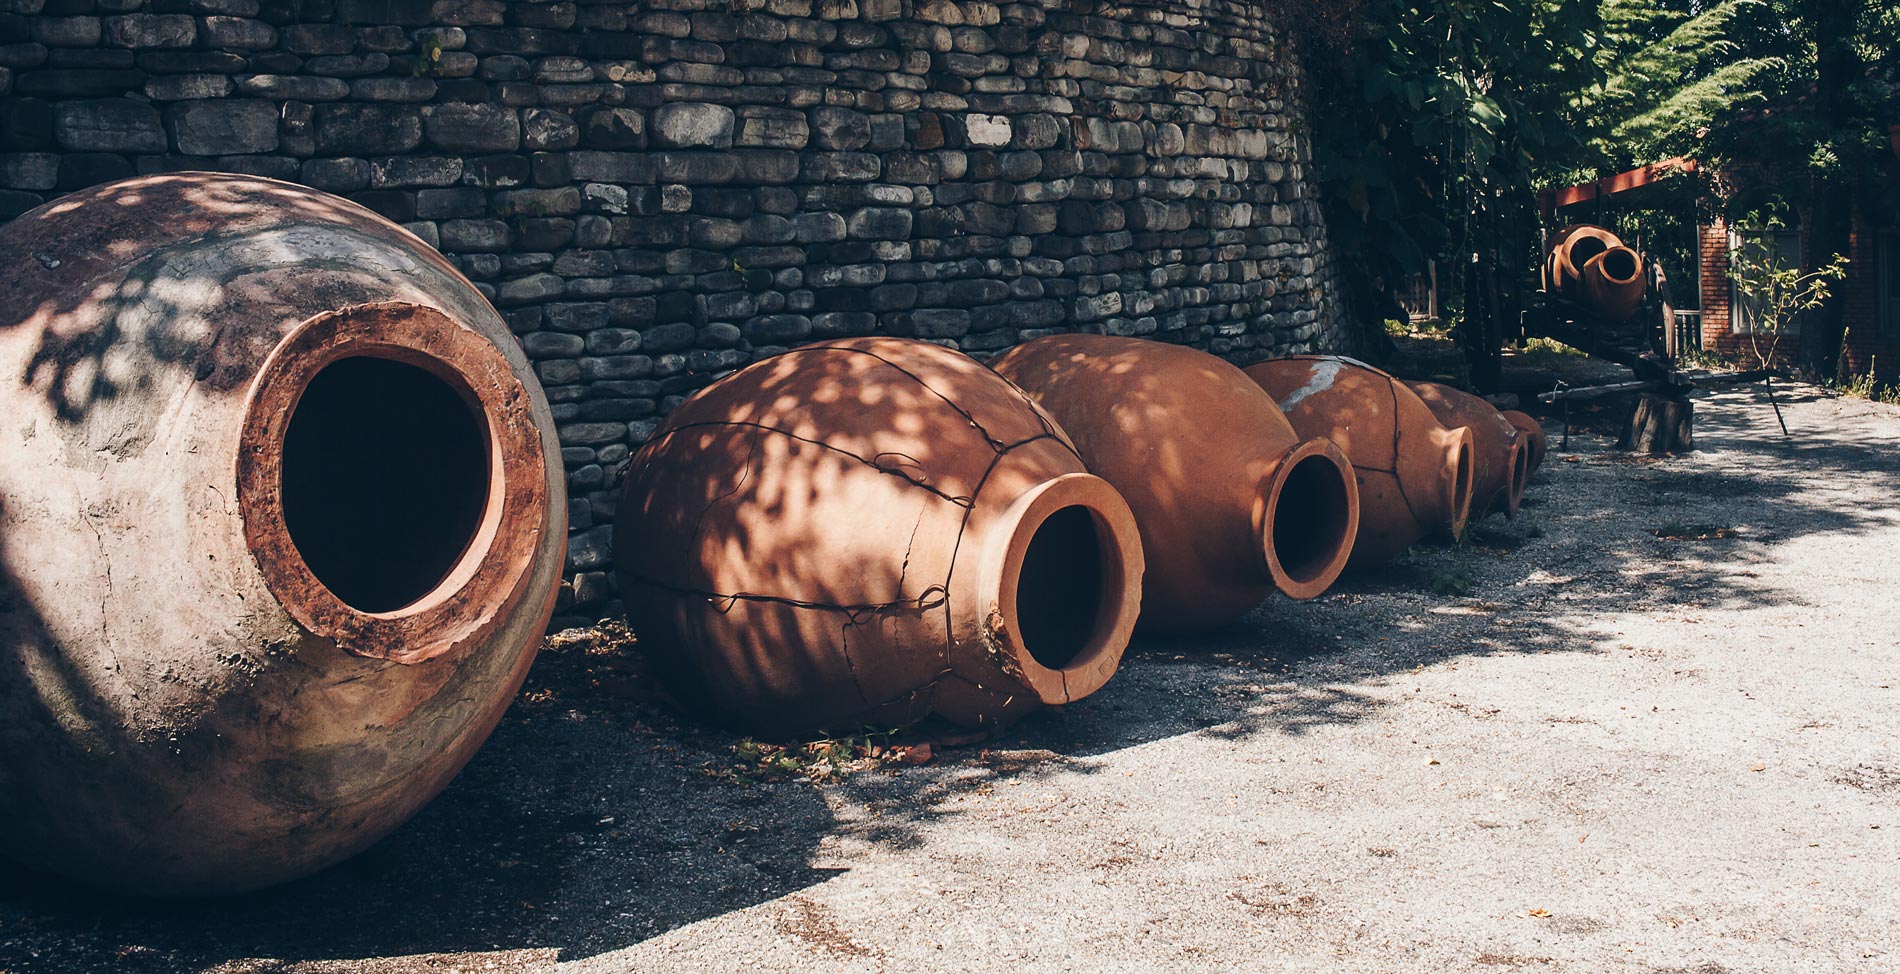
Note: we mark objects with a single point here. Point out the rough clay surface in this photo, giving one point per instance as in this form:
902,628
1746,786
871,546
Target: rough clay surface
1616,752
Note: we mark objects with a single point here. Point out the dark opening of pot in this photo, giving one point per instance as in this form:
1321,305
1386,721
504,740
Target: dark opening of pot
1059,590
1620,264
385,480
1520,471
1584,249
1461,488
1309,523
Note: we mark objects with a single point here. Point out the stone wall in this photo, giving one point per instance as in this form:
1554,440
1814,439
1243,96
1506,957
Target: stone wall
657,192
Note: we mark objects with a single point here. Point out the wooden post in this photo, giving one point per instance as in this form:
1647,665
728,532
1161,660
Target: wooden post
1660,424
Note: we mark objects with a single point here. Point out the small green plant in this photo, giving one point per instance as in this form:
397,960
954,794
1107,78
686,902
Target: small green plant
1451,583
1677,531
825,759
1861,386
428,57
1549,346
1707,359
1778,296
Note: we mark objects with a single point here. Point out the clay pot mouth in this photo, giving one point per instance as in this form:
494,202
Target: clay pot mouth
1586,247
391,481
1066,583
1520,475
1463,481
1619,265
1308,519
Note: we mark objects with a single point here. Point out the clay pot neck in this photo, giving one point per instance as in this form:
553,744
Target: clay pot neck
1457,478
1306,518
1520,474
391,481
1620,265
1062,569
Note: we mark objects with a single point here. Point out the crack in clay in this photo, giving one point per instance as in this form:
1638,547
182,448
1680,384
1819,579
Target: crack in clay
933,597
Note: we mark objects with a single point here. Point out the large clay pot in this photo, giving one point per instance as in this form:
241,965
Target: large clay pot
1414,474
1611,283
281,523
1570,249
1533,433
1503,457
1232,504
868,531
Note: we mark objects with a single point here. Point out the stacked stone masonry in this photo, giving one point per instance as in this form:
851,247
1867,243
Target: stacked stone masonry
658,192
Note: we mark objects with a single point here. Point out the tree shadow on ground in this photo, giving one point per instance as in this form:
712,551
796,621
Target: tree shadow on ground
594,819
1611,533
578,829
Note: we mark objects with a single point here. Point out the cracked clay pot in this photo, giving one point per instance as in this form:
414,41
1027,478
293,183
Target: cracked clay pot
1533,434
866,532
281,523
1503,455
1415,475
1568,250
1232,504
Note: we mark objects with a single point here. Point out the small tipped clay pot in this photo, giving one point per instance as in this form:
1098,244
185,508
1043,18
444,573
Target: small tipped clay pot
1611,283
1415,475
1533,432
1503,465
1570,249
281,523
866,532
1232,504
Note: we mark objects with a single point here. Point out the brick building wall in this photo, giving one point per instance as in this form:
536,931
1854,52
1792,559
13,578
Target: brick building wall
657,192
1867,346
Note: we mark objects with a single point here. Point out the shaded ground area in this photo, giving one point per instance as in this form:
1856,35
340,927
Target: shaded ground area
1651,725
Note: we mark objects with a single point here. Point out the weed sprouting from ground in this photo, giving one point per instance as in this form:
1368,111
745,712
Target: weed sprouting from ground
1675,531
826,759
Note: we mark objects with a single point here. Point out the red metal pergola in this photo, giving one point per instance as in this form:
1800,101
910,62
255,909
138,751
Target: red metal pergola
1549,201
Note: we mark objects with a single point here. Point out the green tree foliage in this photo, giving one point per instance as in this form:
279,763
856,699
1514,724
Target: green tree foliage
1670,69
1778,295
1786,102
1430,117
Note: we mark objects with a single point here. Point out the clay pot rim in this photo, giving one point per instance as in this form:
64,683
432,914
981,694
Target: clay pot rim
1599,265
1520,473
479,592
1122,565
1463,451
1566,269
1529,428
1309,584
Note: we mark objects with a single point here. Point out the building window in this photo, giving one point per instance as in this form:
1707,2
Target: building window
1783,248
1887,252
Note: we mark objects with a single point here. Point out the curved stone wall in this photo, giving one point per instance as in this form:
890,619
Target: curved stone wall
657,192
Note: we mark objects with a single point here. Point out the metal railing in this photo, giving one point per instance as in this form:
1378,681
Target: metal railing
1685,332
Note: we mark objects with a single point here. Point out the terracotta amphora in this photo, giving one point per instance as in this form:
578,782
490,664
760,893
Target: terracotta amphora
1503,455
1533,434
1232,504
282,519
1568,250
1612,283
1415,475
866,532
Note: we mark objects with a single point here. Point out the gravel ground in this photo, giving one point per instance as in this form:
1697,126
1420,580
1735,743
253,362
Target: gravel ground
1650,726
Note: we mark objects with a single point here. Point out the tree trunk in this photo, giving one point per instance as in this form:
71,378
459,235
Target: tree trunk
1838,64
1659,424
